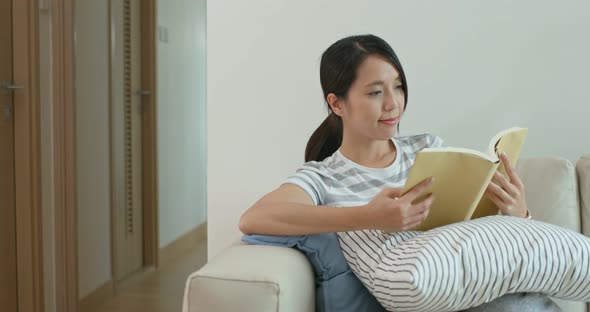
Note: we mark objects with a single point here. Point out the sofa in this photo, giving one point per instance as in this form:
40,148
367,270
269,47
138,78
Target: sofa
268,278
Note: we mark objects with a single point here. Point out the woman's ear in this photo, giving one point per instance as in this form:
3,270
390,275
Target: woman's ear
336,104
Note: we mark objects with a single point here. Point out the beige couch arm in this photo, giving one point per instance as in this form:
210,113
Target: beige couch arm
252,278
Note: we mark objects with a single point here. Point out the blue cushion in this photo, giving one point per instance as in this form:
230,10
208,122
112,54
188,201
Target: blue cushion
337,287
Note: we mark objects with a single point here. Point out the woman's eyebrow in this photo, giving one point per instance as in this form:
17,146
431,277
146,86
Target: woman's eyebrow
380,82
375,83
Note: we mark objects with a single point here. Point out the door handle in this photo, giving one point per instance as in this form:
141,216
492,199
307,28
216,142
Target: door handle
143,92
10,87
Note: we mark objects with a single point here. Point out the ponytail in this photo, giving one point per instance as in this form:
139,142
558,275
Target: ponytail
326,139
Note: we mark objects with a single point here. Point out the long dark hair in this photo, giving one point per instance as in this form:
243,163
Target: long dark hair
338,69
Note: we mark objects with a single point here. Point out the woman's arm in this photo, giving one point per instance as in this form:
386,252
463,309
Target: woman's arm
289,210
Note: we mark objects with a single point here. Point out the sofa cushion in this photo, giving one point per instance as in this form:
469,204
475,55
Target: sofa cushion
551,190
337,287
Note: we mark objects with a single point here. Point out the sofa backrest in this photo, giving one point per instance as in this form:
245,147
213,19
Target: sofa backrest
551,189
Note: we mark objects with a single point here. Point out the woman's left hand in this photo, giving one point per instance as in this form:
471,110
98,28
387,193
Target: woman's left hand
507,194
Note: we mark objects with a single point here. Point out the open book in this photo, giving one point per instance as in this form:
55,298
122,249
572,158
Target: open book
461,177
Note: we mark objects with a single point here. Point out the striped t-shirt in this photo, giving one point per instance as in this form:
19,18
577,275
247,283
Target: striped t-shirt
340,182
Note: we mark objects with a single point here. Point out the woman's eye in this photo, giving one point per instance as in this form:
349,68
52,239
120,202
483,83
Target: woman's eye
375,93
399,87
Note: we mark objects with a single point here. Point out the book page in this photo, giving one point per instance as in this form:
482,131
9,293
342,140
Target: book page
490,158
510,142
459,178
508,136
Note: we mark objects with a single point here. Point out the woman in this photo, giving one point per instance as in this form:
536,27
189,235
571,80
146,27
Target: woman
356,160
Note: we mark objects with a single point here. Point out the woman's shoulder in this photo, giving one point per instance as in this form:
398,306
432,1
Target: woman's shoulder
417,142
327,167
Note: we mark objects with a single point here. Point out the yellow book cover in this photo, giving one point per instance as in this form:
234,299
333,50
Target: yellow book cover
461,177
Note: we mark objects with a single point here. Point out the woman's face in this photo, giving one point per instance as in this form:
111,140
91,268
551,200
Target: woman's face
375,100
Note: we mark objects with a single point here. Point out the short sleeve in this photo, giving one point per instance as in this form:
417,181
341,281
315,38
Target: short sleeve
435,141
309,178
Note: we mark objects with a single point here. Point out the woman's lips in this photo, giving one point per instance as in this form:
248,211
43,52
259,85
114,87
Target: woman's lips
389,122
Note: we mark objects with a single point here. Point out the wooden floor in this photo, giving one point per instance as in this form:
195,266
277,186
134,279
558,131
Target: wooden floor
157,291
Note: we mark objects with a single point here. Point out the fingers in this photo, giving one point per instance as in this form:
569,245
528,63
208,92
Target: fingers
420,213
499,192
495,199
392,192
415,214
420,208
506,185
414,221
506,163
415,191
511,171
411,214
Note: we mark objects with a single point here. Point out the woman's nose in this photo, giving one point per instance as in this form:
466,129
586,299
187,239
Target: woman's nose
390,102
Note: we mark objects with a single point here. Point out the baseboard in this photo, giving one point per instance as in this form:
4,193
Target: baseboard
183,244
97,297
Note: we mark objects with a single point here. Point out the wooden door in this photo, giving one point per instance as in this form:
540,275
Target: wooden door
127,109
8,277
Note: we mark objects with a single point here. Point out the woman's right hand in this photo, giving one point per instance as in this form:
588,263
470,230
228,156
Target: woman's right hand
393,212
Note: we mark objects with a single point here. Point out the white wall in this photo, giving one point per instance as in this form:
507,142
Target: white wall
473,68
92,144
182,119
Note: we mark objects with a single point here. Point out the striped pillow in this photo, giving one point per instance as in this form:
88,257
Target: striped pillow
466,264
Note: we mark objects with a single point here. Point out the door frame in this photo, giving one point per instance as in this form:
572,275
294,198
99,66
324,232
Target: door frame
64,157
151,232
27,149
